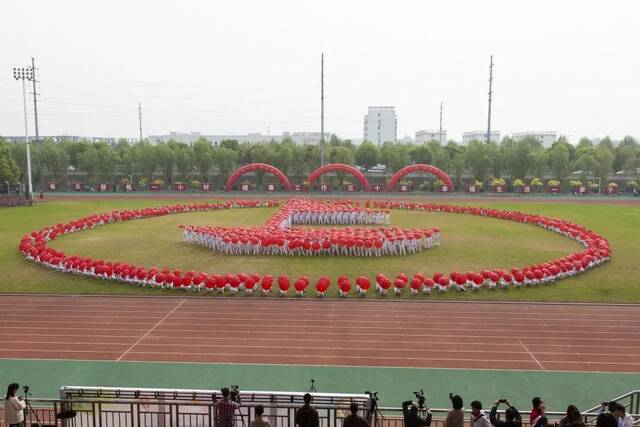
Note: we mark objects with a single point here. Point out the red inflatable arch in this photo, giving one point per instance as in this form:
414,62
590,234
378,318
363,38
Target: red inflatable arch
257,167
340,167
419,168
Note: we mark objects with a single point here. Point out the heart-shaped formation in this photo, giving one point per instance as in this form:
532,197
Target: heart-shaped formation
596,251
279,237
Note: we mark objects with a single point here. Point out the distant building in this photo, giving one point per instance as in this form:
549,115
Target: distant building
302,138
547,138
381,125
71,138
480,135
424,136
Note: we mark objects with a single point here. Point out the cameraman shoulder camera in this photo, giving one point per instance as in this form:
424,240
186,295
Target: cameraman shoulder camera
410,413
512,416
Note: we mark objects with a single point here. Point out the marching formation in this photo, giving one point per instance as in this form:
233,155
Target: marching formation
596,251
278,237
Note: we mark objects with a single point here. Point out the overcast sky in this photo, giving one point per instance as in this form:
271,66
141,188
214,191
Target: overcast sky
254,66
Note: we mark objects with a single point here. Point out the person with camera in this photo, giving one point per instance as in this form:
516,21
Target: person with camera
478,417
511,415
455,417
354,420
226,409
307,416
411,416
13,407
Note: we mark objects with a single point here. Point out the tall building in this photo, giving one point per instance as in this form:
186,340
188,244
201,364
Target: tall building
547,138
381,125
480,135
424,136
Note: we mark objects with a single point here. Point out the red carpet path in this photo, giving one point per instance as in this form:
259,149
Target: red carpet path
322,332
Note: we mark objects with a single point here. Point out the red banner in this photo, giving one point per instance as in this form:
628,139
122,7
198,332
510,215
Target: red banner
179,186
77,186
350,188
205,186
103,187
154,187
377,188
52,186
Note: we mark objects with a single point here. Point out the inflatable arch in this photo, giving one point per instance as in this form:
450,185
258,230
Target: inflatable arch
340,167
257,167
419,168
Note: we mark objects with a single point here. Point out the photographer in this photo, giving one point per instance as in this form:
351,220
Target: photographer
307,416
13,407
411,417
354,420
512,416
226,409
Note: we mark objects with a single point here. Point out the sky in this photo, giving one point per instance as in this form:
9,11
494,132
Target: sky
222,67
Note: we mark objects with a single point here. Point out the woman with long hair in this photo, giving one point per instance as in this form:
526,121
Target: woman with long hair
573,418
13,407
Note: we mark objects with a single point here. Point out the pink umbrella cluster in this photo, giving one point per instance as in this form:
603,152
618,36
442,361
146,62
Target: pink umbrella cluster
279,237
596,250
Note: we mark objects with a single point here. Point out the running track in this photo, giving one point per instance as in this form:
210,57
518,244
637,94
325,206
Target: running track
322,332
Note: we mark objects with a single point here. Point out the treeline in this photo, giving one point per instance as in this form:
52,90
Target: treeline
170,162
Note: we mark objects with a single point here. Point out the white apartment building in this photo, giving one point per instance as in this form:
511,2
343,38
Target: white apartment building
302,138
424,136
381,125
480,135
547,138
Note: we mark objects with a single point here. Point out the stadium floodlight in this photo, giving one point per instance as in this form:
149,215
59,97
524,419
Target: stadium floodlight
25,74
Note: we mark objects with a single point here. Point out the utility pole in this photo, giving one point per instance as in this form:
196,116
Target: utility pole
490,93
440,134
35,97
322,109
140,119
26,74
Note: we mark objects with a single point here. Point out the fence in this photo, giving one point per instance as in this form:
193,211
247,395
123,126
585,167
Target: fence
95,407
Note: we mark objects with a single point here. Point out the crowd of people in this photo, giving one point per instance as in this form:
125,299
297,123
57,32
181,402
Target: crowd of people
415,414
279,237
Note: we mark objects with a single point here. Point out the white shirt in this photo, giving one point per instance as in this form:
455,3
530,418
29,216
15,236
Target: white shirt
13,411
626,421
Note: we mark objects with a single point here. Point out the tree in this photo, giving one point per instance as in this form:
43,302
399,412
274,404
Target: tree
225,159
498,158
367,155
585,146
539,162
518,158
183,159
146,159
395,156
627,148
88,162
55,160
203,157
478,160
9,170
108,162
166,161
75,150
559,161
231,144
458,164
341,155
421,154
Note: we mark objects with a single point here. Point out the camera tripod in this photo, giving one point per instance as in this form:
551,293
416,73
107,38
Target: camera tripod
312,387
375,418
29,408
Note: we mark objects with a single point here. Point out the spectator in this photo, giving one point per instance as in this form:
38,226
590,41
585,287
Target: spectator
606,419
573,418
512,416
354,420
226,410
455,417
537,417
258,421
13,407
307,416
478,417
411,417
624,419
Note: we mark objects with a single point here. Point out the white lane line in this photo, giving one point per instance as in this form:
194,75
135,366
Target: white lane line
531,354
152,329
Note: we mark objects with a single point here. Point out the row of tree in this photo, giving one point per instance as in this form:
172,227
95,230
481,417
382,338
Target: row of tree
172,161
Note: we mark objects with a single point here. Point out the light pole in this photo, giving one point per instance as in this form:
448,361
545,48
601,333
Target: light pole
24,74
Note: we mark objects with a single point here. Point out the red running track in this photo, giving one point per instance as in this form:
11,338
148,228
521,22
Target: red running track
466,335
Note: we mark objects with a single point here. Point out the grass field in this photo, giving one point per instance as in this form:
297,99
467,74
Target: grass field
469,243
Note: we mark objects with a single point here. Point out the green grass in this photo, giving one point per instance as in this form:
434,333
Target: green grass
469,243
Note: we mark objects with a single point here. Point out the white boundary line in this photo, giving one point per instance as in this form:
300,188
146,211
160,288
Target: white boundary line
151,330
532,356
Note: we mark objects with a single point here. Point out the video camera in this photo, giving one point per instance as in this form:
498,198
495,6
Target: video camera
234,393
421,399
25,389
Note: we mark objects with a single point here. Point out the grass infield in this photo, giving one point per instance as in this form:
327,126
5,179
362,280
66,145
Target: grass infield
468,243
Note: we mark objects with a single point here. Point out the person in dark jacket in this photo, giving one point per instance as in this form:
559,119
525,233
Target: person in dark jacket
411,417
512,416
573,418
